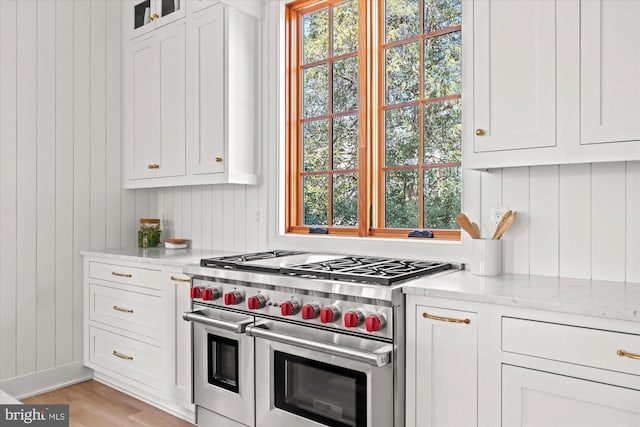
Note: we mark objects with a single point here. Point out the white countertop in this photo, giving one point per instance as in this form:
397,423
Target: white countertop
161,256
615,300
5,399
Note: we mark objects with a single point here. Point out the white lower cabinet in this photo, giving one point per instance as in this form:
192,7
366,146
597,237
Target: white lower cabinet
478,364
442,366
135,338
536,398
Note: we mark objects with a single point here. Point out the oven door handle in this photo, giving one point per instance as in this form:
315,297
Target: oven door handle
197,317
379,358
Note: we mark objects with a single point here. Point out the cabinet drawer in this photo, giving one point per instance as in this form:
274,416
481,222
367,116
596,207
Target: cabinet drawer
131,311
573,344
133,359
144,277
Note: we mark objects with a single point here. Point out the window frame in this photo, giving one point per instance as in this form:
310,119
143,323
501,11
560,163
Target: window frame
370,122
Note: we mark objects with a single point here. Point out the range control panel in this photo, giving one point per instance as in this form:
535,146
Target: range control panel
329,313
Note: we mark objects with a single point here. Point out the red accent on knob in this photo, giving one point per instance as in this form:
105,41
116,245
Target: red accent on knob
309,311
372,323
286,308
196,292
255,302
230,298
352,319
326,315
207,294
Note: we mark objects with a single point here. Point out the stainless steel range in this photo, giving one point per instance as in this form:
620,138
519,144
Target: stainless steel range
290,339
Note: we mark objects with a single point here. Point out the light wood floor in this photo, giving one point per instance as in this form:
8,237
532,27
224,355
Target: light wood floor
92,404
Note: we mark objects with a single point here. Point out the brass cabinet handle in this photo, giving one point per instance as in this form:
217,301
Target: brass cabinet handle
479,132
122,356
218,159
124,310
623,353
155,16
154,166
445,319
113,273
177,279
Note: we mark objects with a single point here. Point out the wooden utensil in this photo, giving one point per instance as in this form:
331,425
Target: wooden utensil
505,226
506,215
476,230
465,224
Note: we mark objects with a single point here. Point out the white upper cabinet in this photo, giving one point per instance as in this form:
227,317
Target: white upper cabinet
190,98
224,43
155,106
610,73
550,82
514,66
142,16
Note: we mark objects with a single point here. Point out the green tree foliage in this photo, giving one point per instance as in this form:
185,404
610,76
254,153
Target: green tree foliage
441,145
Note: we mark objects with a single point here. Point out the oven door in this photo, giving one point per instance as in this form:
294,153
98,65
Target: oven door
223,363
310,377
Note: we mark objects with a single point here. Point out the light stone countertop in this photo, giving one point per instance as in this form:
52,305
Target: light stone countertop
159,256
6,399
614,300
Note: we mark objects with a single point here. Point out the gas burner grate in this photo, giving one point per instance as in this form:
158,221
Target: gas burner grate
232,261
381,271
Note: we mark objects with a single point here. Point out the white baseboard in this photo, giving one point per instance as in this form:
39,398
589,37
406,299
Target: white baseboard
43,381
183,410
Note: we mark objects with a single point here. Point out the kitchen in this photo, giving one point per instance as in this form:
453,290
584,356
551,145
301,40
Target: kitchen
63,115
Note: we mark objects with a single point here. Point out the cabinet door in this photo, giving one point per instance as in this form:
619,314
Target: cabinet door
514,66
536,398
209,94
610,72
446,364
171,75
143,127
181,384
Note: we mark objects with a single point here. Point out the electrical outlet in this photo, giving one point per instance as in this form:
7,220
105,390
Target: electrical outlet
498,213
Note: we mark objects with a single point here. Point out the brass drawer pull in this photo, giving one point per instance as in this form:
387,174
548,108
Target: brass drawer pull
124,310
480,132
445,319
177,279
154,166
218,159
113,273
623,353
122,356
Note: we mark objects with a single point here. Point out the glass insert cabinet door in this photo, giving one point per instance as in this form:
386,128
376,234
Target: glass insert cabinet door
222,362
149,14
329,394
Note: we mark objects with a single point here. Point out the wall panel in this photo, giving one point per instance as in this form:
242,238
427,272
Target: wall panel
59,172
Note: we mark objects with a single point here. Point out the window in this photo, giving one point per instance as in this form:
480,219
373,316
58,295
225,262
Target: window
374,116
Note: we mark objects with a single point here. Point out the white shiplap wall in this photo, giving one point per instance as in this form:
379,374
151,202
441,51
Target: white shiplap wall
580,221
573,221
60,185
222,217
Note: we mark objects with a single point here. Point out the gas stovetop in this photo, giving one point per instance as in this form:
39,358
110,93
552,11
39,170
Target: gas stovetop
360,269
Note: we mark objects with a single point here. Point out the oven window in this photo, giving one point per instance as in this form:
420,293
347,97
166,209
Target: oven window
328,394
223,362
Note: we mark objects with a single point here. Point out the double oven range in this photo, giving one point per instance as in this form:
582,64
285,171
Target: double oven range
292,339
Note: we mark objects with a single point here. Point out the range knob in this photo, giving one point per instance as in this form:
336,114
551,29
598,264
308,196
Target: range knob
374,322
329,314
353,318
196,292
289,307
232,298
257,301
310,311
209,294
